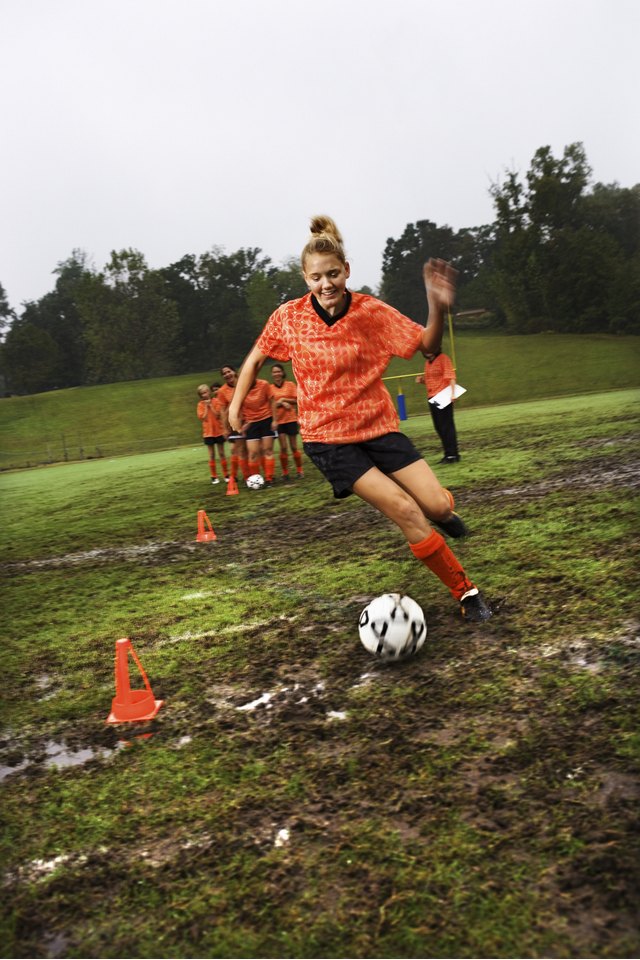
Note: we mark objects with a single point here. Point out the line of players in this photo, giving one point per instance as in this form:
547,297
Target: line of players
270,410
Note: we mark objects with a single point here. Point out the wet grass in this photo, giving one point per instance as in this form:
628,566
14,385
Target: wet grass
294,797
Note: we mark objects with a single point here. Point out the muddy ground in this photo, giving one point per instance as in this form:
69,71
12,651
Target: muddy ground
534,774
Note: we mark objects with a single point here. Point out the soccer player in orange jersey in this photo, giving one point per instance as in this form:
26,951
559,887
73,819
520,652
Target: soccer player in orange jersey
239,456
285,394
340,343
258,415
212,433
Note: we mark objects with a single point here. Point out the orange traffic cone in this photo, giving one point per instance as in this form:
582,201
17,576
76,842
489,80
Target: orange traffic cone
203,534
130,705
232,486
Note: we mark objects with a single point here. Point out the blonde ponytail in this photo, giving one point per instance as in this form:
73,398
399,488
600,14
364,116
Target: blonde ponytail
325,238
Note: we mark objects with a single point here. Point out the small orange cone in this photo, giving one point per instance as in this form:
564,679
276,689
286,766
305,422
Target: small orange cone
232,487
204,535
130,705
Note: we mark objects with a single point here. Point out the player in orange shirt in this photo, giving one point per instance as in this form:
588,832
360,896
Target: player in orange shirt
258,415
239,456
438,375
212,433
340,343
285,394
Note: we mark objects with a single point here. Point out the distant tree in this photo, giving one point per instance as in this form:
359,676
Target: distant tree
56,315
226,279
30,358
6,313
184,285
131,327
559,251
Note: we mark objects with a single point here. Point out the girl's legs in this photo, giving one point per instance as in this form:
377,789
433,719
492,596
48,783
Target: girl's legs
283,439
223,461
253,457
239,458
268,461
297,455
212,463
427,545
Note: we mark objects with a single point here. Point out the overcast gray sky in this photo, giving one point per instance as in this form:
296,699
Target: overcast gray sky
173,126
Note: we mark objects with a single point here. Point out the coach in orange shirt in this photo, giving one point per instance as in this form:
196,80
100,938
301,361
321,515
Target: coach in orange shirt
438,375
340,343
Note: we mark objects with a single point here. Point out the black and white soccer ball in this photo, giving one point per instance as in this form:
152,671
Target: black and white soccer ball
255,481
392,627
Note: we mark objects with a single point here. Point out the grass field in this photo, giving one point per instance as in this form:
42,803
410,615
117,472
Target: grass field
147,415
294,797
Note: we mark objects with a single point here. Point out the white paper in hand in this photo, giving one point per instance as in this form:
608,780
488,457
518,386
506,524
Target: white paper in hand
443,399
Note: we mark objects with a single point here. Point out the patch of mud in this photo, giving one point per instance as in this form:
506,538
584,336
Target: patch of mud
145,553
602,474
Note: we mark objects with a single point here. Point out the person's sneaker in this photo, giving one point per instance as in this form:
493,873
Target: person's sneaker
473,607
226,479
454,527
449,460
214,480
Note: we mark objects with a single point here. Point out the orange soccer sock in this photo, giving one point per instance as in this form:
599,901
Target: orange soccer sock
225,466
234,466
435,554
246,469
284,464
297,456
269,464
212,468
253,466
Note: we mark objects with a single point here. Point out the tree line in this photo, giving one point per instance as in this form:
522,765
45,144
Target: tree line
560,255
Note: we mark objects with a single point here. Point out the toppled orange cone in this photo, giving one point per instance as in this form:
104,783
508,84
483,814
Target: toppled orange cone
232,487
130,705
203,534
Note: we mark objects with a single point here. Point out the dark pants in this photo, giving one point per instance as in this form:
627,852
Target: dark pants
445,428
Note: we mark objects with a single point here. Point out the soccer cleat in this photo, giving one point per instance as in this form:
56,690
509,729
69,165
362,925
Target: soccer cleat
214,480
473,607
455,527
449,460
226,479
300,474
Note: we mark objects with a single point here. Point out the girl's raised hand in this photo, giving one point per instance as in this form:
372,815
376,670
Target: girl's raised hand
440,282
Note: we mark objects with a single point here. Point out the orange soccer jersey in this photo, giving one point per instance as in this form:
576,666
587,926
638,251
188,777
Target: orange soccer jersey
438,374
257,403
339,368
208,414
288,391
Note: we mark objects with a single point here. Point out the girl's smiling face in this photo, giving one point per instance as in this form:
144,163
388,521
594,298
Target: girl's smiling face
326,277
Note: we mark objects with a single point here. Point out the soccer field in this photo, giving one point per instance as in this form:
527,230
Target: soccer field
294,797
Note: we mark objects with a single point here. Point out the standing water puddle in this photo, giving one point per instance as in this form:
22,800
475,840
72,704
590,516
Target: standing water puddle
61,756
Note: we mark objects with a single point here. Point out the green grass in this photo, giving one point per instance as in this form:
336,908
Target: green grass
141,416
478,801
